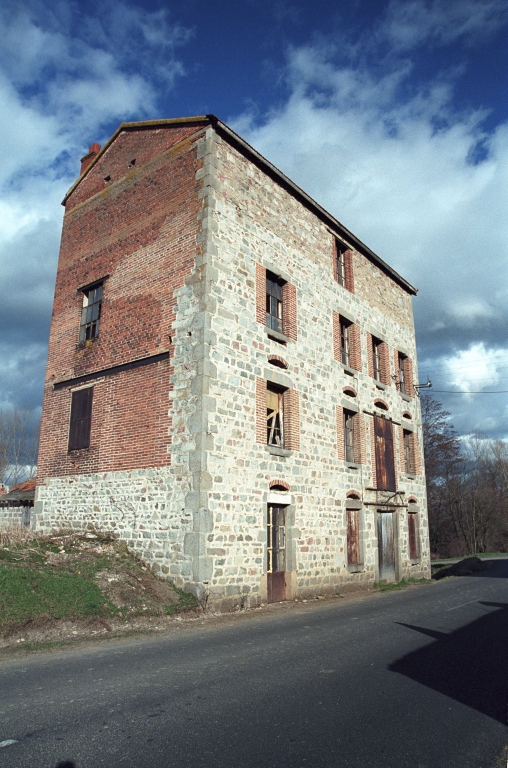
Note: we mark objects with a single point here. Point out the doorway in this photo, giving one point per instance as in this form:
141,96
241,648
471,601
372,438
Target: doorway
386,546
276,550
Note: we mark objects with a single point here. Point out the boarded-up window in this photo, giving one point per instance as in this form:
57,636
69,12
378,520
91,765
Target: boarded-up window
274,416
353,536
81,419
385,464
412,524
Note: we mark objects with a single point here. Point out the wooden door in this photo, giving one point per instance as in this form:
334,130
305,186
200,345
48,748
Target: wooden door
276,548
386,546
385,463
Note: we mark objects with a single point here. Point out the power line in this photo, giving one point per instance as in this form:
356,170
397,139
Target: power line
470,392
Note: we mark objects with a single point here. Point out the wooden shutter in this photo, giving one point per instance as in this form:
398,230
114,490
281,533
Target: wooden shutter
385,464
413,540
81,419
353,537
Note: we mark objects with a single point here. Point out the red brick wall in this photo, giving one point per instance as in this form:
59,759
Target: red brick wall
291,414
348,269
355,348
142,233
289,311
260,410
130,425
336,336
141,145
260,294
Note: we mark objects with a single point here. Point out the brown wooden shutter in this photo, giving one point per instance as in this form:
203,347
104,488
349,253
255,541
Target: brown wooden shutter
413,541
385,463
81,419
353,537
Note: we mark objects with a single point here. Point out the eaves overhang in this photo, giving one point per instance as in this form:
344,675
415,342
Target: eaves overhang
271,170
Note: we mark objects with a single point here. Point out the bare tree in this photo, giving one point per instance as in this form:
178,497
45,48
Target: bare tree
19,439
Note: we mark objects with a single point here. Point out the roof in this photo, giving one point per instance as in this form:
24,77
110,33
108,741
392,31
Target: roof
21,492
271,170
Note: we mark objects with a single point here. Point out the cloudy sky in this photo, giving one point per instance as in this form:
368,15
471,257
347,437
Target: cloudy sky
393,114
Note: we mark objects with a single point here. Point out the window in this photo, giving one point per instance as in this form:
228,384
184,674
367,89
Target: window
81,419
345,341
412,525
349,435
343,265
376,358
274,287
91,313
408,463
340,263
353,536
274,416
403,383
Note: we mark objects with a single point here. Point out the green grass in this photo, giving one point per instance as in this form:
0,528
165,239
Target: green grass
28,594
186,602
403,584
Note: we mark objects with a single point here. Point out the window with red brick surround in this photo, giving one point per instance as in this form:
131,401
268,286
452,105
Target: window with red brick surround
276,303
410,463
277,424
404,374
378,359
343,265
350,435
346,342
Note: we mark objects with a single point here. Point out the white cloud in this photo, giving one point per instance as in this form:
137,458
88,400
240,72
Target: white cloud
65,82
410,23
476,368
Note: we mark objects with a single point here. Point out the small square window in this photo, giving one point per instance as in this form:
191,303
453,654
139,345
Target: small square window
91,313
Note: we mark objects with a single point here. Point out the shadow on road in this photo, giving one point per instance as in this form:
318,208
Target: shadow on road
469,664
498,569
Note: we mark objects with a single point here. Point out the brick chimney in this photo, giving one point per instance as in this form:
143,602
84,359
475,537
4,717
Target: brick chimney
87,159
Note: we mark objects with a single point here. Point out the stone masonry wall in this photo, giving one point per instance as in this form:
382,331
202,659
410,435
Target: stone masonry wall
257,223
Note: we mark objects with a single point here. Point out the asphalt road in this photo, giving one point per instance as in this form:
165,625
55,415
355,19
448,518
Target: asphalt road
413,678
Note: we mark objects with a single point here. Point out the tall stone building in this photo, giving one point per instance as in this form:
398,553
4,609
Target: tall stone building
230,384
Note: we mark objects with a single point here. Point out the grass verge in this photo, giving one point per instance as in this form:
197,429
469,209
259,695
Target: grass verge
403,584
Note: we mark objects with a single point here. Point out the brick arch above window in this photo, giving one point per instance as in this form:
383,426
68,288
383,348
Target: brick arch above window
278,361
349,391
279,485
412,500
407,415
381,404
353,495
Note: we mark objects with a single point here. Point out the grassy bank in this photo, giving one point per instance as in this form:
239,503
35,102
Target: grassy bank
89,577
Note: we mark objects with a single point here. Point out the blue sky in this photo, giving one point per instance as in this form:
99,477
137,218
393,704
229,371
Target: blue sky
393,115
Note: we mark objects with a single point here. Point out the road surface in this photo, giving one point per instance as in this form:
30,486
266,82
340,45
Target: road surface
412,678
